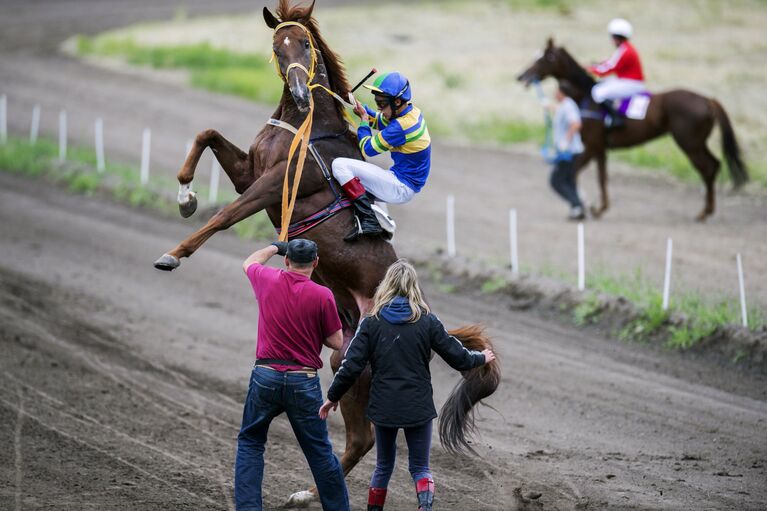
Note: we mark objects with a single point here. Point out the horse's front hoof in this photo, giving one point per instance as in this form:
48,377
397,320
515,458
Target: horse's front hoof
167,263
189,206
301,499
596,213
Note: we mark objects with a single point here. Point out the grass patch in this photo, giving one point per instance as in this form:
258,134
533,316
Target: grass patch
494,285
247,75
588,310
505,131
700,317
121,182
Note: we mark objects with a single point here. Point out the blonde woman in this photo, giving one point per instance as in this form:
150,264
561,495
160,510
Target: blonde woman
397,338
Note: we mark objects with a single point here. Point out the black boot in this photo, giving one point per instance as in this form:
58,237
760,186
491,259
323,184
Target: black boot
614,119
365,221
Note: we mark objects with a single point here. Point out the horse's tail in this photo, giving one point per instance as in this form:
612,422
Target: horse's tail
456,421
730,147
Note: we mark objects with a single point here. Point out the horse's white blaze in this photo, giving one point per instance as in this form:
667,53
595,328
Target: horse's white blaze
286,42
301,498
184,192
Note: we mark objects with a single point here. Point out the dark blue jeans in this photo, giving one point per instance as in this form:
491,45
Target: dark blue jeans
418,446
298,395
563,181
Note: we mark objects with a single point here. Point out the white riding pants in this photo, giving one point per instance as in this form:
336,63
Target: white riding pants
380,182
616,88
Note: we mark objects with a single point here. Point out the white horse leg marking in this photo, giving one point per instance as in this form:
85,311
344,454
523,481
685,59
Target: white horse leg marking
17,446
301,499
184,193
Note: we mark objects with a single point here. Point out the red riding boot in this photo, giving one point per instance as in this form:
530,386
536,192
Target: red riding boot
376,498
425,489
365,221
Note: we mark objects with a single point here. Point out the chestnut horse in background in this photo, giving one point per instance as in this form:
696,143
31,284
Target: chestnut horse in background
688,116
351,270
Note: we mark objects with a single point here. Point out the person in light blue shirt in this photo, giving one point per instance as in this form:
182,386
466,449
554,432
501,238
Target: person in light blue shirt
566,136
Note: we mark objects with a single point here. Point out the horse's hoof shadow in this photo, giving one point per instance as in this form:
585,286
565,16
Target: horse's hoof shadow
167,263
188,208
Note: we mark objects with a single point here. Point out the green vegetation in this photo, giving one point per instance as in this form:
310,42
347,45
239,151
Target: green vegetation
700,317
120,182
494,285
247,75
504,131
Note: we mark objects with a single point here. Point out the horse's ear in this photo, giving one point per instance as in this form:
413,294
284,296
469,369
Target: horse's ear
270,20
549,41
308,15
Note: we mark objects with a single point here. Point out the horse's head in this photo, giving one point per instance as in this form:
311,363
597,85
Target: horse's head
550,63
295,54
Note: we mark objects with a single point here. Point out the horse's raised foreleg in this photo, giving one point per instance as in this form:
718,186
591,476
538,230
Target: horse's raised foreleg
233,160
602,179
263,193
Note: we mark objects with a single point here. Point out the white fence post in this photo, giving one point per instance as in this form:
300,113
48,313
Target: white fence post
513,241
215,174
62,136
34,128
743,309
99,133
146,141
667,278
3,119
451,226
581,258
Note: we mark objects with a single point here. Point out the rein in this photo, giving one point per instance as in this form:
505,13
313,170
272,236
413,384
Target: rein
548,152
302,134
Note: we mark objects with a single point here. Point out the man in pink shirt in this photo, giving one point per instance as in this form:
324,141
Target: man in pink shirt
296,317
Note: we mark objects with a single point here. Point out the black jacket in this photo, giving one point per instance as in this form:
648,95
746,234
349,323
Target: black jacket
399,354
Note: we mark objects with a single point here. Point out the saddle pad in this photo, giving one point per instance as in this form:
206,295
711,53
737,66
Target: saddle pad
635,107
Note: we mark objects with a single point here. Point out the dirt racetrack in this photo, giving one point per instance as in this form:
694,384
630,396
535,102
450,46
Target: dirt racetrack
122,387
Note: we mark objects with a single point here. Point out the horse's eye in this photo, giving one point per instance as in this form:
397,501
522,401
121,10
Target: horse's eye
306,44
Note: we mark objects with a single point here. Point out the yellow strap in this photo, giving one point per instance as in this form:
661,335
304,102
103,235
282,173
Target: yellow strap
303,134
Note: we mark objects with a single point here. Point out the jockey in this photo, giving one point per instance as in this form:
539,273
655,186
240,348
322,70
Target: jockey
625,64
402,130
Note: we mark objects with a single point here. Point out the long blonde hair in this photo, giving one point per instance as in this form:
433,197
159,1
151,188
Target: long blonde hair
400,280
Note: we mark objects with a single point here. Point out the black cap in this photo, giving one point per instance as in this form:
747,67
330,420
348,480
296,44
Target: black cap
302,251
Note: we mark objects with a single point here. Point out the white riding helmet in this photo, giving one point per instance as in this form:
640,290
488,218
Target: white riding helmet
620,27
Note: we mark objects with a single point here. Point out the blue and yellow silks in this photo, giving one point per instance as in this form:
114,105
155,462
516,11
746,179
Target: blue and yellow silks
407,137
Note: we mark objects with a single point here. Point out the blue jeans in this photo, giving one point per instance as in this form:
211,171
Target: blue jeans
562,180
418,446
269,394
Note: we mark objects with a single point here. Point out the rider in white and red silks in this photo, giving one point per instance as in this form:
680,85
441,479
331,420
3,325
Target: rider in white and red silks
624,64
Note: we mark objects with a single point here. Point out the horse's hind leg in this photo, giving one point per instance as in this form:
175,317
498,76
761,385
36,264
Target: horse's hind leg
234,161
708,168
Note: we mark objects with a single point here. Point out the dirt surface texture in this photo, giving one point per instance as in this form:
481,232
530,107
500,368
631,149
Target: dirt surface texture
122,387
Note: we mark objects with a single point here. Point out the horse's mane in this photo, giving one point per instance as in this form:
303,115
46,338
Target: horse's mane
333,65
578,76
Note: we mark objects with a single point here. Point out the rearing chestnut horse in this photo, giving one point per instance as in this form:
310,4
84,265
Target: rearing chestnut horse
688,116
351,270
